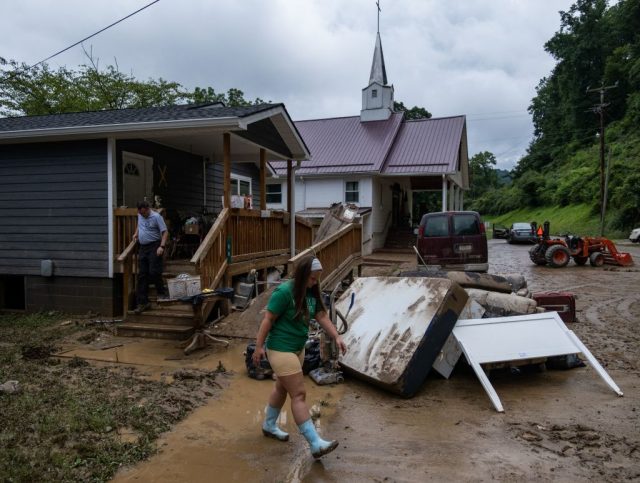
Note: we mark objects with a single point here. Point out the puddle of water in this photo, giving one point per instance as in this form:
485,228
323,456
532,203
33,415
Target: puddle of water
223,441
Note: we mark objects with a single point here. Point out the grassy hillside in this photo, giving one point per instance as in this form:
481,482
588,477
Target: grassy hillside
575,219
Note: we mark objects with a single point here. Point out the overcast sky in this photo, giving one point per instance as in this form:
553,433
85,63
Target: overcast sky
481,58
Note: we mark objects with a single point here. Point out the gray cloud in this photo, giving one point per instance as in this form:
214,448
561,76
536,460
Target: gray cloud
482,58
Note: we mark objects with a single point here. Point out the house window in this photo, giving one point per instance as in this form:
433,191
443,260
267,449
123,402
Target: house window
274,193
351,192
374,93
240,185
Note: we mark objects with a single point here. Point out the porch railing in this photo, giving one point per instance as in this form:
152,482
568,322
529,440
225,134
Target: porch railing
211,257
337,253
125,221
242,235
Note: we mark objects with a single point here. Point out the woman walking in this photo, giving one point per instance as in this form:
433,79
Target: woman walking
285,327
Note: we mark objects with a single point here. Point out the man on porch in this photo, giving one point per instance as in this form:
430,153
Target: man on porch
152,236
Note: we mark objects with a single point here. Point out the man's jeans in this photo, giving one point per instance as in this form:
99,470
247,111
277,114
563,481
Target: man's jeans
149,271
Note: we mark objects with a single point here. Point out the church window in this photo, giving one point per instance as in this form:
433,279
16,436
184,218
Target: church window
374,93
351,192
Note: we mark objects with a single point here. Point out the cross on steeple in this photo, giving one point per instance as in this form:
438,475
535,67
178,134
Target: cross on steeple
379,10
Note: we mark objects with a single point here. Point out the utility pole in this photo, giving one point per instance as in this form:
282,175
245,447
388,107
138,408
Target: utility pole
599,109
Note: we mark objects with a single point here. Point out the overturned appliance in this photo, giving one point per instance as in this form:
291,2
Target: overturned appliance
518,338
397,328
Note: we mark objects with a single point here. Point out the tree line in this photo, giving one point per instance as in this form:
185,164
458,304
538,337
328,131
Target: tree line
598,44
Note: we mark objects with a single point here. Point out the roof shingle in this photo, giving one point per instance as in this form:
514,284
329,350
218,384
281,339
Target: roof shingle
127,116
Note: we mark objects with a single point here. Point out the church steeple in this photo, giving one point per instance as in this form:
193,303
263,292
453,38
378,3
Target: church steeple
378,70
377,97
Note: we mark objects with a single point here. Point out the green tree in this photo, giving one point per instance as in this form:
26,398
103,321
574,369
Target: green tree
483,176
414,113
42,90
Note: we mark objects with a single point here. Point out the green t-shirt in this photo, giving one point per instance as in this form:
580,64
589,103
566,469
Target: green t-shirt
287,333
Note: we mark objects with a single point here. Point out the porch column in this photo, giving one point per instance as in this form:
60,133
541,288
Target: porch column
226,158
444,193
263,179
452,191
291,206
461,200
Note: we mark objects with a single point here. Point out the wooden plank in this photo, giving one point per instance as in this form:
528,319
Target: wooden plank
258,264
259,254
211,236
341,272
318,246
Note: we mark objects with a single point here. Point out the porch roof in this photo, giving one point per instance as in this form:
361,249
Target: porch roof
267,125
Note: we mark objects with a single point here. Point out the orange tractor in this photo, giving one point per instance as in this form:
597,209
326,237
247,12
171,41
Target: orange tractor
557,252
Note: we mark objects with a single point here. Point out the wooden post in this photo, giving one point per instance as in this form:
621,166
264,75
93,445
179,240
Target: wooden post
226,157
263,179
290,201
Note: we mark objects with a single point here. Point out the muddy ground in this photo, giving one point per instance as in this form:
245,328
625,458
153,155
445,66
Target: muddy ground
557,425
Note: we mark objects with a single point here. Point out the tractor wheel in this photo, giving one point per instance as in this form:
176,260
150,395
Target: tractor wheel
537,256
557,256
580,260
596,259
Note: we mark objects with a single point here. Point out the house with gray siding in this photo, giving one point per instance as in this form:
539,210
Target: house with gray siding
69,184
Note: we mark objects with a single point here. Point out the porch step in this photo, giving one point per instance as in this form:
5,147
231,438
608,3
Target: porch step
400,238
173,268
165,317
154,331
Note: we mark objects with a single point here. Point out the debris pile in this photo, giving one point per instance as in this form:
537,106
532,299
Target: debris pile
402,327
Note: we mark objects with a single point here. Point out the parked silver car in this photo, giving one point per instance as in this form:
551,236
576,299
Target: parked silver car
635,236
521,233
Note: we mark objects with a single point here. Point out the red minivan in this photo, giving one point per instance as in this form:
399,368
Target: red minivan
455,240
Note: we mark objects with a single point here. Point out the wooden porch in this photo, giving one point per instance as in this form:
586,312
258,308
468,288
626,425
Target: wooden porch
238,242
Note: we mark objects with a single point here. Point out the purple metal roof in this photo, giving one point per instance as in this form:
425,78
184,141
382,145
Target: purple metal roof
426,146
344,145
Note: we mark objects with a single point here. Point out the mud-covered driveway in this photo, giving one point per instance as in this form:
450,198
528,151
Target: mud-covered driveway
557,425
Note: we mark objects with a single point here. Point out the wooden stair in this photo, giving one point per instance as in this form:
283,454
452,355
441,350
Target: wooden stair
400,239
166,319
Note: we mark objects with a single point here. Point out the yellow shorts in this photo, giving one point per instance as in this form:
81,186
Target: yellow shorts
285,363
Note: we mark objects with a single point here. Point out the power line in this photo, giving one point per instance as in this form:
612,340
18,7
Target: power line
90,36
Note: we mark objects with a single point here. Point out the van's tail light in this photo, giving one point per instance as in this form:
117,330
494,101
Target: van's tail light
483,230
421,231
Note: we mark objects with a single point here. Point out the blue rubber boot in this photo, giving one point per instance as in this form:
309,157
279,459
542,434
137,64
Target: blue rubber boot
270,427
319,447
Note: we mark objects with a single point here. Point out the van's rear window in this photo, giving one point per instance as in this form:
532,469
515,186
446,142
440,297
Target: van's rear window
436,226
465,225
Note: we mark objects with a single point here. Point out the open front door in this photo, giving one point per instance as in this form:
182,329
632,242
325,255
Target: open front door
137,178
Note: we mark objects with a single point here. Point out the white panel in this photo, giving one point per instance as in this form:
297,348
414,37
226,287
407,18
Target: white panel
321,193
516,338
300,195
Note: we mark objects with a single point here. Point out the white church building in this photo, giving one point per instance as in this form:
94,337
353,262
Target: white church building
376,160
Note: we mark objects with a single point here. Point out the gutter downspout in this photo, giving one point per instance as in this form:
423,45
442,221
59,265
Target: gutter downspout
292,214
